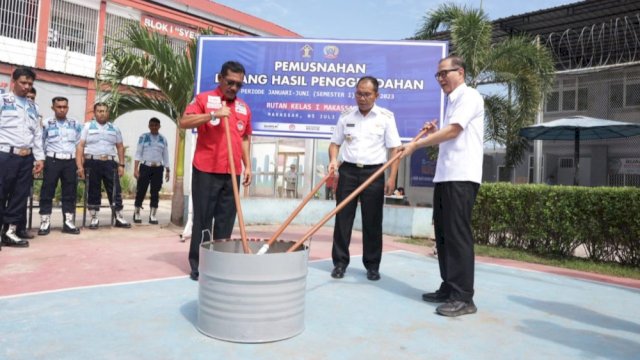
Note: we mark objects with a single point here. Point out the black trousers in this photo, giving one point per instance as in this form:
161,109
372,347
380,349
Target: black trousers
452,207
65,171
371,204
103,173
149,175
16,179
213,208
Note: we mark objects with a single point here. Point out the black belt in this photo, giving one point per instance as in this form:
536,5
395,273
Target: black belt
361,166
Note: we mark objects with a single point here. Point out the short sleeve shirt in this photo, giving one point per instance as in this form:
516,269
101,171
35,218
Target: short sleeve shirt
61,136
211,154
365,139
152,148
460,159
100,139
20,124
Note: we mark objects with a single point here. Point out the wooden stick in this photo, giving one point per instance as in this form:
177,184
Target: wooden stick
236,193
294,214
351,196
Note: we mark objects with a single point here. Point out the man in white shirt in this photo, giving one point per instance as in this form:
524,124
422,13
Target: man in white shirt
458,177
364,133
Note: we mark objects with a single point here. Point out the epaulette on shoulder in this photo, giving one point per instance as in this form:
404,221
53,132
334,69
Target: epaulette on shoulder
348,110
386,112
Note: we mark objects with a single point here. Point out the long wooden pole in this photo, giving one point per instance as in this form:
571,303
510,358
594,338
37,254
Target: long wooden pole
294,214
236,193
351,196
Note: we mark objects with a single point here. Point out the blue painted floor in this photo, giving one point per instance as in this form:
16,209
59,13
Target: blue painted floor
522,315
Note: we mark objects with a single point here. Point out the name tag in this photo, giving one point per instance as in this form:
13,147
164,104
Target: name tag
241,109
214,102
351,125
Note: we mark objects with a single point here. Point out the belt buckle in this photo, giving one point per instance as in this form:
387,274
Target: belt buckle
24,152
104,157
360,165
155,164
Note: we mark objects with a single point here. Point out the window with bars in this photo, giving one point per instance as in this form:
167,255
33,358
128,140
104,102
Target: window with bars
114,30
566,163
626,92
178,46
19,19
568,95
73,27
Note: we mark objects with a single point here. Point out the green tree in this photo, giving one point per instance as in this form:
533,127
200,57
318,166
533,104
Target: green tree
145,54
518,63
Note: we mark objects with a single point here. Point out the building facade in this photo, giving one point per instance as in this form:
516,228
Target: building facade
596,46
64,41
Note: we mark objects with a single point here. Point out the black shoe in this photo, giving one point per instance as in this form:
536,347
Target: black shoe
25,234
69,230
122,224
435,297
6,241
194,275
373,275
42,232
338,272
457,308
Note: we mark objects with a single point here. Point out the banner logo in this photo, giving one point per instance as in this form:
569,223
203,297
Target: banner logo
331,52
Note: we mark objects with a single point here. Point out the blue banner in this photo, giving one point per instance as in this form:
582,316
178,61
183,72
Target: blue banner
422,169
299,87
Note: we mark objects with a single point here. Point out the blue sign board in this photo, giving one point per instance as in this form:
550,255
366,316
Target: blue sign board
422,169
299,87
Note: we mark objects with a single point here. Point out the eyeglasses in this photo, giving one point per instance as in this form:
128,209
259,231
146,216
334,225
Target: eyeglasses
443,73
232,83
363,95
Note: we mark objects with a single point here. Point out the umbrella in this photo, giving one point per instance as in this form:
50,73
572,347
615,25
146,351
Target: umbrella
578,128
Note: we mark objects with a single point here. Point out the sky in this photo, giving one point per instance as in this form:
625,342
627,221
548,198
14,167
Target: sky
369,20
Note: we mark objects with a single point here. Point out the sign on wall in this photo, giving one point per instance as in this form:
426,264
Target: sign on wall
168,28
422,169
299,87
624,166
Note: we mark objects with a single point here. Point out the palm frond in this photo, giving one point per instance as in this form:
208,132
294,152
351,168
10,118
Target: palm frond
517,63
144,54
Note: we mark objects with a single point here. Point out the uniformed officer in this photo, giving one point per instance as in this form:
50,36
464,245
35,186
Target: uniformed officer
100,144
20,146
22,231
152,155
364,133
60,135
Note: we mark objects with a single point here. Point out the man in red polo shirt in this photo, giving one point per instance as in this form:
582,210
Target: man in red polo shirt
211,186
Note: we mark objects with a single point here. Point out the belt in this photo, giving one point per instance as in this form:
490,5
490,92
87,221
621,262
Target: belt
152,163
61,156
361,166
100,157
15,150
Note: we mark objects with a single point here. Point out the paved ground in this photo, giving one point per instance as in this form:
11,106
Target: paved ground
124,294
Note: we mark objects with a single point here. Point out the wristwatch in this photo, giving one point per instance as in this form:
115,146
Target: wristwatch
214,120
121,165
